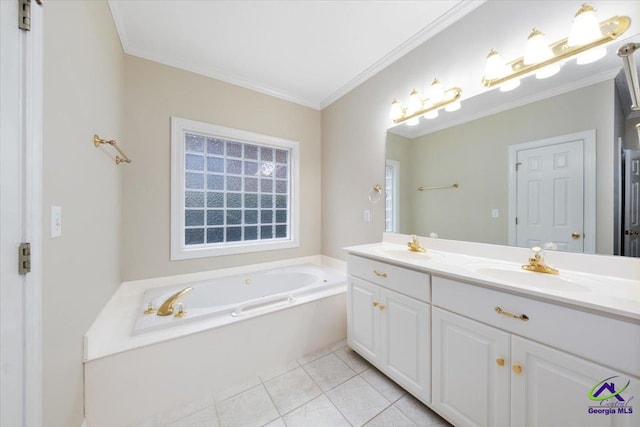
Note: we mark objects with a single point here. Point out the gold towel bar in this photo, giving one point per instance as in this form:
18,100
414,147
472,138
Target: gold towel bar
421,188
97,141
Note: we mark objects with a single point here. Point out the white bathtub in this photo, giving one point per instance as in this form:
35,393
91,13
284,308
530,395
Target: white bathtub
239,295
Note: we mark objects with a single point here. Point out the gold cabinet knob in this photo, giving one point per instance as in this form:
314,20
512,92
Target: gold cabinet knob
576,235
517,369
375,303
381,307
500,362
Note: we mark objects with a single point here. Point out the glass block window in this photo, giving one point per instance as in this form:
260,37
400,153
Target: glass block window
233,190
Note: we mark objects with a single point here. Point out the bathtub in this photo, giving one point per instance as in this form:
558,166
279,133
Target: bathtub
239,296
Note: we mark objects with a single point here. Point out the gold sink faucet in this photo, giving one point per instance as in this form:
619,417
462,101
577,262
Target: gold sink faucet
166,308
414,245
536,263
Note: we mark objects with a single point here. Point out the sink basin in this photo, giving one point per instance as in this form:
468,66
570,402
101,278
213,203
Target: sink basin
514,274
400,254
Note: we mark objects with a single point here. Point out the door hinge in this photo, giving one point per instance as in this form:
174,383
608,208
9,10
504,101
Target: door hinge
24,15
517,165
24,258
516,220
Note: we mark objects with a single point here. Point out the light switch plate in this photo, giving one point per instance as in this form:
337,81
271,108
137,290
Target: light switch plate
495,213
56,221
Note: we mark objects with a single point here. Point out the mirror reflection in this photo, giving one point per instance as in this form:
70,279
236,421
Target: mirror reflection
559,172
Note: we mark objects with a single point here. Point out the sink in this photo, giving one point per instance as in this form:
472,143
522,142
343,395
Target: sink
400,254
514,274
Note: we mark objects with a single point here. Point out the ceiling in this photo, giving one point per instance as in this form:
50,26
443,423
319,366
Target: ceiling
307,52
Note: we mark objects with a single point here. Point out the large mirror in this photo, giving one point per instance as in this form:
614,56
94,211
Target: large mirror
553,165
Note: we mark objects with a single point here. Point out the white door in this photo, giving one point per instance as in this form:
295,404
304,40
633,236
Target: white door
550,196
631,203
554,388
364,318
471,371
20,216
405,334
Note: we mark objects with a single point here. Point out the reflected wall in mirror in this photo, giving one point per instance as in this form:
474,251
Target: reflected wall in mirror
475,155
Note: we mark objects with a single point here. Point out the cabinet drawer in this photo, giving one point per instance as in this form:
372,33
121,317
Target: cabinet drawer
609,341
409,282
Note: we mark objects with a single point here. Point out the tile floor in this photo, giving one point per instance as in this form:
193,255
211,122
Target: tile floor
333,387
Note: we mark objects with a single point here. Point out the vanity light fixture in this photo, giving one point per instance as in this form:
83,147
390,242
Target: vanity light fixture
438,98
586,42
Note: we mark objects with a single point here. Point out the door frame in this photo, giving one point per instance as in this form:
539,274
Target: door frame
589,183
30,84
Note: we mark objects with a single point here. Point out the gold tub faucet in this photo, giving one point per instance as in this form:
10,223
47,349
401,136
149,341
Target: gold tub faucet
166,308
414,245
536,263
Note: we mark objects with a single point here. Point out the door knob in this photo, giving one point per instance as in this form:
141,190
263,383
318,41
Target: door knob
576,235
517,369
500,362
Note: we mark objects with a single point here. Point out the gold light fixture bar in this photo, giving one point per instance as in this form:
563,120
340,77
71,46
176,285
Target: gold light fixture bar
450,96
97,141
612,28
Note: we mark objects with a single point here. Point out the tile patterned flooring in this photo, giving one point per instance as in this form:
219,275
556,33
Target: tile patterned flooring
333,387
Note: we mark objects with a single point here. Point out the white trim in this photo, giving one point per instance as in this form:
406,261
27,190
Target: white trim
451,16
179,251
589,212
33,221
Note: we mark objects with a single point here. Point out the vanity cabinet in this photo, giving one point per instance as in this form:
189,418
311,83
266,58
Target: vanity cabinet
488,369
389,321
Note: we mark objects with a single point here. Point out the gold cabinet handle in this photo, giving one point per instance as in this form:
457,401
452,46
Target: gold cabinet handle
500,362
379,274
517,369
522,317
381,307
375,303
576,235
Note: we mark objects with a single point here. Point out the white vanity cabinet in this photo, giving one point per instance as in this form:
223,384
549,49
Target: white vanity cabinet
488,369
389,321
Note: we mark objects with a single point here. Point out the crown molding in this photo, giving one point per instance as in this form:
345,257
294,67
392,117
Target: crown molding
449,18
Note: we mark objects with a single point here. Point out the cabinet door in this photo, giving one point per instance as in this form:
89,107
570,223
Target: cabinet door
405,340
471,371
553,389
363,318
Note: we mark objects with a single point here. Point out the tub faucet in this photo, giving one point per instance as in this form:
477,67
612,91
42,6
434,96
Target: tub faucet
166,308
536,263
414,245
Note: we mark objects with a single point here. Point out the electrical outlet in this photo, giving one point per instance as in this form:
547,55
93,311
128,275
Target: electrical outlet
367,215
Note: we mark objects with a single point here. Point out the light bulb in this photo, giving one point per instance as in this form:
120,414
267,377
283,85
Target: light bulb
495,66
412,122
585,27
509,85
436,92
536,50
396,110
431,114
415,103
454,106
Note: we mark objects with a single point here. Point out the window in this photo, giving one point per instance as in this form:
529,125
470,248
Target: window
232,191
392,205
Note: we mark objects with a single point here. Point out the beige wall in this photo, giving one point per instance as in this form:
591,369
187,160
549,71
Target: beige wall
475,155
83,94
154,93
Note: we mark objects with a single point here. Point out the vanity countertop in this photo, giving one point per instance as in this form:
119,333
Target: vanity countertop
618,296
